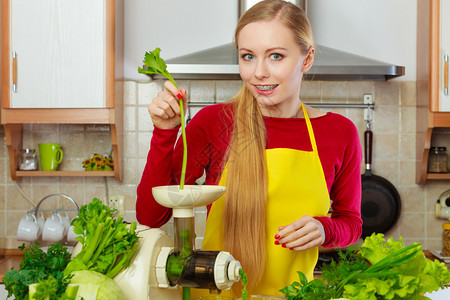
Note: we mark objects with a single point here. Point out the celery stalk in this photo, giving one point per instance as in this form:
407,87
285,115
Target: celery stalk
156,65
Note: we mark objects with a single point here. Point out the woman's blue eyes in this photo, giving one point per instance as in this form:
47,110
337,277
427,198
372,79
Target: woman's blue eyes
274,56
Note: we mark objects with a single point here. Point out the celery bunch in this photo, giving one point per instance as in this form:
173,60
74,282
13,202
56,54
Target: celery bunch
108,243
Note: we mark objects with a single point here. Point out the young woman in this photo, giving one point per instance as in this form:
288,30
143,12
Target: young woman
282,162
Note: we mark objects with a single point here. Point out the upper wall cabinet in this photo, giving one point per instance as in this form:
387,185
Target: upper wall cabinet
57,50
62,63
433,99
442,98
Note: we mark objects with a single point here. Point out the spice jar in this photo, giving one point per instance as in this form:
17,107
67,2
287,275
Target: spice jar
446,239
437,160
28,160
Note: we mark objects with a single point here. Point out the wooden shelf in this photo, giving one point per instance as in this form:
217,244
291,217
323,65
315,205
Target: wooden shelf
438,176
65,173
13,135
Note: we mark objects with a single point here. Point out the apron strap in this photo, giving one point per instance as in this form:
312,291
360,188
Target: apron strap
310,130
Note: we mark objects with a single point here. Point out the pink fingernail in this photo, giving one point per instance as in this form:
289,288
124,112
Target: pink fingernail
277,242
284,245
179,96
277,236
291,248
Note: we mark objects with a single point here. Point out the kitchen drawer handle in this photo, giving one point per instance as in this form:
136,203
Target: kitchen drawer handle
446,74
14,71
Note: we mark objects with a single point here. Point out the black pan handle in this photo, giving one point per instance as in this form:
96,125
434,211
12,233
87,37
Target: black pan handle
368,149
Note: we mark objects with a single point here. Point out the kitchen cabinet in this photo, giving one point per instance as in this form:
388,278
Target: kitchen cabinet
433,101
62,63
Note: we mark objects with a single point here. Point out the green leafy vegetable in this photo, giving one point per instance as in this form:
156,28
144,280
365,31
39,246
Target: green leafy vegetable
39,266
155,65
93,285
379,270
107,243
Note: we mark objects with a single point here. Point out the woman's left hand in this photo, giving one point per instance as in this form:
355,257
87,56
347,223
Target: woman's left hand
302,234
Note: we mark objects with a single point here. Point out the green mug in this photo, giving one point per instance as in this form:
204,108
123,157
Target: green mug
50,156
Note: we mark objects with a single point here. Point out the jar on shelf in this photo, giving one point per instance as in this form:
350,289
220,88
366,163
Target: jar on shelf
28,160
446,239
437,160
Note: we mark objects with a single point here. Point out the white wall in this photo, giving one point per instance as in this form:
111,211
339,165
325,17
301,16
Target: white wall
380,29
178,27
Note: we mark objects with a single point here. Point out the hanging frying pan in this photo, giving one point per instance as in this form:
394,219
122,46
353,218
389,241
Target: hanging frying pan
380,202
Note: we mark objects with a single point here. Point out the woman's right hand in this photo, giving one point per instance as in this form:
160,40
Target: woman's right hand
165,108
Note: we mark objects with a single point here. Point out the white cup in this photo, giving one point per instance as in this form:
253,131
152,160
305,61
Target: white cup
71,236
41,222
28,229
53,228
66,222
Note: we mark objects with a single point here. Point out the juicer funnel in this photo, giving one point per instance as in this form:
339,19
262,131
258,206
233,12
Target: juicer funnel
182,201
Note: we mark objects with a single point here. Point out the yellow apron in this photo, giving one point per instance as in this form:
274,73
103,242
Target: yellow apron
296,187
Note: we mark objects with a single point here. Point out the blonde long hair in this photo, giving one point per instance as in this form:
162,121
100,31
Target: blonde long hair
244,211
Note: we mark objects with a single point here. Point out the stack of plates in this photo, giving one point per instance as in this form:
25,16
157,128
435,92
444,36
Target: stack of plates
438,254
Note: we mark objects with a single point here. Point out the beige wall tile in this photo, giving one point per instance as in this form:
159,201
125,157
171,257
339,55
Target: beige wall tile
408,146
434,226
412,225
202,91
311,91
411,198
129,145
408,119
385,146
146,91
15,200
129,118
143,144
144,121
357,89
12,221
408,93
130,93
386,119
334,92
227,89
407,172
387,93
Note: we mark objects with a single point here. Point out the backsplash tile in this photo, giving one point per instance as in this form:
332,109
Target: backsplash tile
393,156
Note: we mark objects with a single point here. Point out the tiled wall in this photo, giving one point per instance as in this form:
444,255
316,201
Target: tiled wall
393,158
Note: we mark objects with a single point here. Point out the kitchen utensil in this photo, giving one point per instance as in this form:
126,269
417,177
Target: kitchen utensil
28,229
53,228
380,202
50,156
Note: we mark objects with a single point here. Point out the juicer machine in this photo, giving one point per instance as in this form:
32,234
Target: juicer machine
161,266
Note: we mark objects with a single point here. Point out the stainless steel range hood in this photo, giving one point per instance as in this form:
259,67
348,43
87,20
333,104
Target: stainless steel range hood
329,64
221,63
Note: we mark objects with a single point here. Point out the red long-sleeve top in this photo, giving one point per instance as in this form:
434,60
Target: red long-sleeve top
208,135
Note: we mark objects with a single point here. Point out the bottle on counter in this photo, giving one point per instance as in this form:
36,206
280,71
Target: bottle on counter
446,239
437,160
28,160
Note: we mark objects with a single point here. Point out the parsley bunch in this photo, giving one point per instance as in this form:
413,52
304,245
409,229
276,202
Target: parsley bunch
38,266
